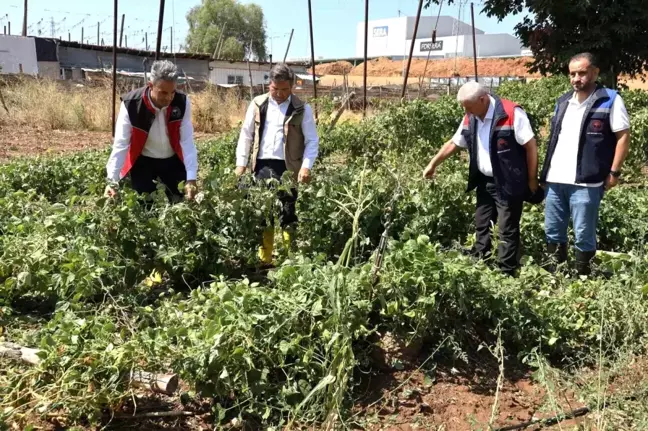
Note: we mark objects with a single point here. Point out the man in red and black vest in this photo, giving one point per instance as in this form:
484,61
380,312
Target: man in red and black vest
503,168
154,138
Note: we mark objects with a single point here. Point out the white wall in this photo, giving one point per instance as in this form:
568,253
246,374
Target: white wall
494,45
386,37
220,75
16,51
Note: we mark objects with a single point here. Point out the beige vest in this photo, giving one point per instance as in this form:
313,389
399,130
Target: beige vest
294,144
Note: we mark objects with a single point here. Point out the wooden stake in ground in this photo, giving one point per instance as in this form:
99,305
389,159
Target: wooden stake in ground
4,105
411,52
162,383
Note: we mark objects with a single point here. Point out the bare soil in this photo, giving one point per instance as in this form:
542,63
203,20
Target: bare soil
455,398
19,141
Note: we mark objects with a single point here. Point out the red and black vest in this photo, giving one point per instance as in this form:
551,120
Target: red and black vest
142,115
508,158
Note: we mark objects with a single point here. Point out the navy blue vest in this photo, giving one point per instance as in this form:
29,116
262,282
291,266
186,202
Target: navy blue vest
597,142
508,158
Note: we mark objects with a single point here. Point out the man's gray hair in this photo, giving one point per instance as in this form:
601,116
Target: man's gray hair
164,70
281,72
471,91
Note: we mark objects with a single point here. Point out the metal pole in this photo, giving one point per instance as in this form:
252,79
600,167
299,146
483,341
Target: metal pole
24,29
126,40
146,40
409,59
98,24
5,30
121,32
82,35
472,14
312,42
114,71
288,47
250,70
171,45
159,32
364,73
9,28
221,42
69,37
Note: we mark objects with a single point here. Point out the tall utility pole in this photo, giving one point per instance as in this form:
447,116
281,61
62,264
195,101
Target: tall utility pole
98,24
411,52
472,14
312,43
114,67
288,47
24,29
146,40
121,32
364,74
171,40
126,40
81,35
159,32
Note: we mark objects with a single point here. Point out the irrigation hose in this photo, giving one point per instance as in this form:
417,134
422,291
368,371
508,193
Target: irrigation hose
548,421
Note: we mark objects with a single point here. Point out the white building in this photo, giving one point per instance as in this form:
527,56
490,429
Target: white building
393,37
225,72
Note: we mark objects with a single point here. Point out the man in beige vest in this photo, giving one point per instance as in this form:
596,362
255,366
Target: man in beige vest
280,130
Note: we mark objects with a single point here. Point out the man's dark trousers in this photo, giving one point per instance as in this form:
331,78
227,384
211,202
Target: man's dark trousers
266,169
491,209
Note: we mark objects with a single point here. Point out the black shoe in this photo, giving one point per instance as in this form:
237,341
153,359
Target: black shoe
583,259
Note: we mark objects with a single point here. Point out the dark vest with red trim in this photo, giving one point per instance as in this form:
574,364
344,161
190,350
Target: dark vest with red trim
142,115
507,156
597,144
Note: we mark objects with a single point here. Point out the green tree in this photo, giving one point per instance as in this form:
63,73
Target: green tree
234,29
555,30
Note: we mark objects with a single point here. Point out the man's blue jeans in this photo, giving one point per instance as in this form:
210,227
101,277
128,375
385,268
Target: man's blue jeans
582,204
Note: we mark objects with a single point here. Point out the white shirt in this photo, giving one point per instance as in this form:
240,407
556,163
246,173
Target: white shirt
565,158
521,127
157,144
272,142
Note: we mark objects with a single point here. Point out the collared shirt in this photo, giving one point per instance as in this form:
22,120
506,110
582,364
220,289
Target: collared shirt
521,127
157,144
564,162
272,141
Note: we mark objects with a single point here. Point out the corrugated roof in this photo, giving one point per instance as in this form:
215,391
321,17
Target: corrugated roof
131,51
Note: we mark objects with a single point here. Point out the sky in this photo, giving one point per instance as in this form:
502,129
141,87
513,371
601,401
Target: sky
334,21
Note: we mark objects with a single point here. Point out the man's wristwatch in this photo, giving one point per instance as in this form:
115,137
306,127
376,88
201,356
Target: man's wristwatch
615,174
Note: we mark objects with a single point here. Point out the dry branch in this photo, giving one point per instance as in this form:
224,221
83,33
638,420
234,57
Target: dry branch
161,383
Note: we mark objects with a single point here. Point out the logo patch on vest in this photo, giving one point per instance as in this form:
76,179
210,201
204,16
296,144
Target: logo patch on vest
502,144
175,113
597,125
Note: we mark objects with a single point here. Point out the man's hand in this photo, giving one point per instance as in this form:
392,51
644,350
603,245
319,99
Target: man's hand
430,170
240,170
110,192
304,176
191,189
533,185
611,182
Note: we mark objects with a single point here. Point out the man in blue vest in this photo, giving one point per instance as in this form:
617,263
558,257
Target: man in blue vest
503,168
589,140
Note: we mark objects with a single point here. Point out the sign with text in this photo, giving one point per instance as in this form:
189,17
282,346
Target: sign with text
382,31
432,46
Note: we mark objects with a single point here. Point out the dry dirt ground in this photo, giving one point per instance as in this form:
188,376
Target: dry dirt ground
33,141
